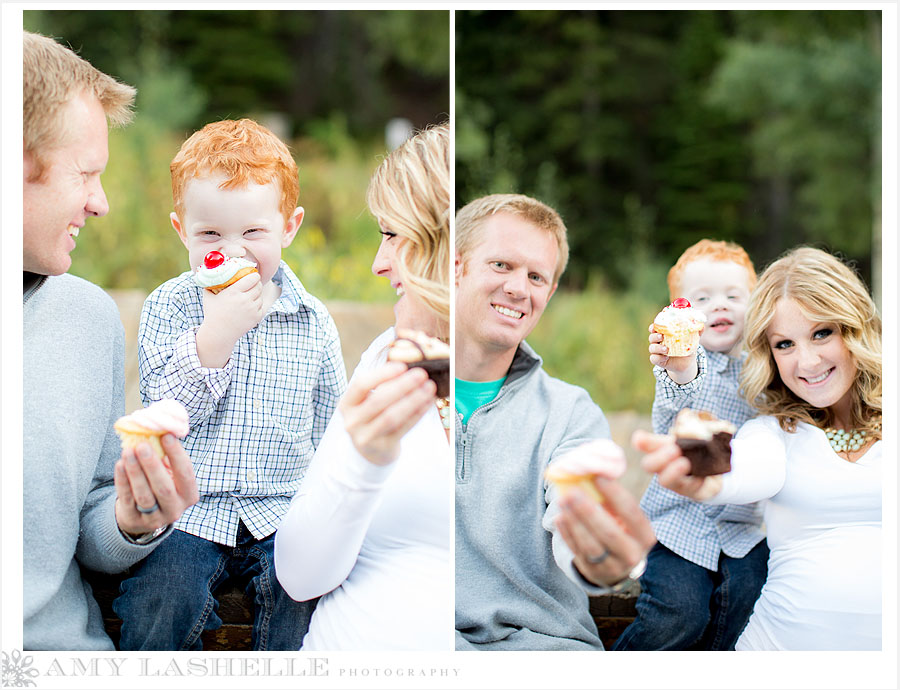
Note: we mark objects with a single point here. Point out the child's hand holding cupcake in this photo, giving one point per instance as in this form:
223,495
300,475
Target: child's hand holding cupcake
674,338
232,306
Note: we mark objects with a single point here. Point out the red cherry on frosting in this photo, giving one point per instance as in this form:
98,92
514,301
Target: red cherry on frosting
681,303
213,259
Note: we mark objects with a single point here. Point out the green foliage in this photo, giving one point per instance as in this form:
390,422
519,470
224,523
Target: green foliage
756,127
598,340
369,65
817,125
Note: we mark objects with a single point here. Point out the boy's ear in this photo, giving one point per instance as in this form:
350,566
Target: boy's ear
552,290
458,269
173,219
292,226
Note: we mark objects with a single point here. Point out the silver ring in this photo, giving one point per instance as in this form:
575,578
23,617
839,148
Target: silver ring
638,570
598,559
147,511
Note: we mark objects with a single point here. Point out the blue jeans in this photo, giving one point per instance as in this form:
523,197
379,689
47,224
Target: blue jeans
685,606
169,598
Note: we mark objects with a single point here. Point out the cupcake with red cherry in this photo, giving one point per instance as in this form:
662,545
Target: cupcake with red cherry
680,325
217,271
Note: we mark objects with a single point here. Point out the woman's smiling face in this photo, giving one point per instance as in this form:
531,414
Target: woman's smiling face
811,357
409,311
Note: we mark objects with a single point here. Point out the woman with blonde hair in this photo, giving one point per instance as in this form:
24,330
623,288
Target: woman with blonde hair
814,455
369,529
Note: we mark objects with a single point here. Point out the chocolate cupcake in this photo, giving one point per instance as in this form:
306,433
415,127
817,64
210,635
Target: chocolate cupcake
705,440
416,349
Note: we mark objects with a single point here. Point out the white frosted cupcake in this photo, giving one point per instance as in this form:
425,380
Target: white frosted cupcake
217,271
680,326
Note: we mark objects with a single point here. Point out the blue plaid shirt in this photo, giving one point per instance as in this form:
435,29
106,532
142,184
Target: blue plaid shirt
695,531
256,422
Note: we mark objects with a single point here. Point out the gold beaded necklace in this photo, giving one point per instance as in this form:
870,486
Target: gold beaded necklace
443,405
842,441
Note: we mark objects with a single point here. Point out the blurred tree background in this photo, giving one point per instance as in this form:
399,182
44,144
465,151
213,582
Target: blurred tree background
327,82
649,130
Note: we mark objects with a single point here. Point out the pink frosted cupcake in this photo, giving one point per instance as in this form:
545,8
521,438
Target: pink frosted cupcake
578,467
151,423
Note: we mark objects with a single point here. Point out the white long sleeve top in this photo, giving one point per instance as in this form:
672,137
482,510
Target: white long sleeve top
823,521
373,541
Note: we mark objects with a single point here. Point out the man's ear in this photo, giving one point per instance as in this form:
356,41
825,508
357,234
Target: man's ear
179,228
458,268
291,227
552,290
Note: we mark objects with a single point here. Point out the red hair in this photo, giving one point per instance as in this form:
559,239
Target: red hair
242,151
713,250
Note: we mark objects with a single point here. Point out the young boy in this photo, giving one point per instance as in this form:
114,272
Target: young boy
258,367
710,562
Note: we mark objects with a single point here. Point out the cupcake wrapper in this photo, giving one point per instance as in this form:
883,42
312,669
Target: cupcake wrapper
586,484
131,440
682,343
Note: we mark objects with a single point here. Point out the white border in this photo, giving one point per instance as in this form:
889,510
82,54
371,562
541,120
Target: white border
509,670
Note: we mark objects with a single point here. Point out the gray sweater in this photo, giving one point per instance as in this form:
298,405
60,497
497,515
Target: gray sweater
73,352
516,587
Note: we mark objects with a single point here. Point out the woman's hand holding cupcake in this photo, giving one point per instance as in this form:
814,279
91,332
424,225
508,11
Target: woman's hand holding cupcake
380,406
665,459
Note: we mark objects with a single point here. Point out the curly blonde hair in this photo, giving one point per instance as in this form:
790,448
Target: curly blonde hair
827,291
469,221
714,250
51,76
242,151
409,194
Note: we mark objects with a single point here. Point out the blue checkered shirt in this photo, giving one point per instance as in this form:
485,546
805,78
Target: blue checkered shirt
256,422
695,531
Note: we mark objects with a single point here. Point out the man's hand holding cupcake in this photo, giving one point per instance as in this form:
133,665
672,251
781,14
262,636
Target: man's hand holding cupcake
604,527
154,477
148,497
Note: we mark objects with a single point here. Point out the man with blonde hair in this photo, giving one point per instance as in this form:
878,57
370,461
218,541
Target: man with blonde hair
526,559
84,506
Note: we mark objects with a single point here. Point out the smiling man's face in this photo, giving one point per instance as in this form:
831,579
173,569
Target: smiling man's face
56,206
504,284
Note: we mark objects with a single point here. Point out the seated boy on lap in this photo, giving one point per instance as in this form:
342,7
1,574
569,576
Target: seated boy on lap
258,366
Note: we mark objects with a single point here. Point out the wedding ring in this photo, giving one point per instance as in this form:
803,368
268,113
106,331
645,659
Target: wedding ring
147,511
599,559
